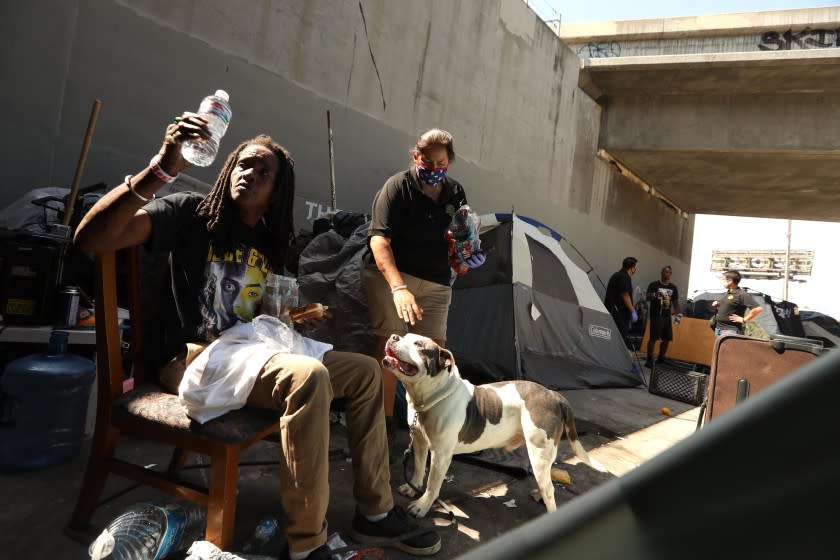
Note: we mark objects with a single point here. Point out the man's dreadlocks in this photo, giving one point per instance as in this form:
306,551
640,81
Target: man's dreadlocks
218,207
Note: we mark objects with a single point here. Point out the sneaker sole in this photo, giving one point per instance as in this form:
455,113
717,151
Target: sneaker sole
427,551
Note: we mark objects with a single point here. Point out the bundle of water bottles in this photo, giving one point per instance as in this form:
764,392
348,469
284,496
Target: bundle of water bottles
159,530
150,531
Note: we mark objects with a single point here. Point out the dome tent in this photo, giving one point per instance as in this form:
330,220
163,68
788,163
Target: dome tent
532,313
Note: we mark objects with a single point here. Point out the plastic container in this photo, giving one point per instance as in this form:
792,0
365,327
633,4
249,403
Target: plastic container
45,402
265,530
150,531
216,109
282,293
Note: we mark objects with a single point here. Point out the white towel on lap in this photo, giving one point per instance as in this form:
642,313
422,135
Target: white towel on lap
220,378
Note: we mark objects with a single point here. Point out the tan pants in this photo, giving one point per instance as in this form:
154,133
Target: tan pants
432,297
301,389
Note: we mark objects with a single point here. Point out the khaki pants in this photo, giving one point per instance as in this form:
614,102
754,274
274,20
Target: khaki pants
432,297
301,389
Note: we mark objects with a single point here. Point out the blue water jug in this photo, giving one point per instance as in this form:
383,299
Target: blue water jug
45,401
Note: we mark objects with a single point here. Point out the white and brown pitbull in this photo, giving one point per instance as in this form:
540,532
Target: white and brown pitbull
455,416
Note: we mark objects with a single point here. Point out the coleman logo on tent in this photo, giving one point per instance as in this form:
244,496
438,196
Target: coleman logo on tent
600,332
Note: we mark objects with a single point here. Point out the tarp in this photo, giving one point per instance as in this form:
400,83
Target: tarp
820,326
329,272
532,313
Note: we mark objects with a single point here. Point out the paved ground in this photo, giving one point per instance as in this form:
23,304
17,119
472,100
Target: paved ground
621,427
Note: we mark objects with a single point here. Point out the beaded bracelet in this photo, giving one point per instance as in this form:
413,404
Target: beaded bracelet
154,167
128,179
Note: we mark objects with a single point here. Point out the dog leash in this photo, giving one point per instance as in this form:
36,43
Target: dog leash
450,515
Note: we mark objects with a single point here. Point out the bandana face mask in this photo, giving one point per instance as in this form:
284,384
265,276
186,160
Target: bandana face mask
431,176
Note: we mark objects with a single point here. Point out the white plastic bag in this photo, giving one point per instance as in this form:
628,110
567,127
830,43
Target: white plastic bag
220,378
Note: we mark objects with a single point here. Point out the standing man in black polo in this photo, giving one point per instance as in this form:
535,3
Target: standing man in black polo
663,297
735,308
619,297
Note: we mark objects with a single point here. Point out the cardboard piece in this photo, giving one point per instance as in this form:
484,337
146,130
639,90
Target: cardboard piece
693,342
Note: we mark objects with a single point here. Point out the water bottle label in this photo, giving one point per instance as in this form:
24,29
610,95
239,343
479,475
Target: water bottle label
214,107
175,523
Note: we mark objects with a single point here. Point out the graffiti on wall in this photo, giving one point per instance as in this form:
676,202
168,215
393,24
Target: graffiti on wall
804,39
315,210
600,50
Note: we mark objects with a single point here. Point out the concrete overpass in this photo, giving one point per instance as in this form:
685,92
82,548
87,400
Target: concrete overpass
734,114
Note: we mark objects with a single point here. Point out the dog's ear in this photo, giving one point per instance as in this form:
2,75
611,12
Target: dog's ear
445,359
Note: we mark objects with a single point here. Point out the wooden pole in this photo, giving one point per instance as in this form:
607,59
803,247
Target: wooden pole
80,166
332,164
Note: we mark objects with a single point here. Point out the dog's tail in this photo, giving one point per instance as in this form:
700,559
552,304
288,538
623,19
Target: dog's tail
574,441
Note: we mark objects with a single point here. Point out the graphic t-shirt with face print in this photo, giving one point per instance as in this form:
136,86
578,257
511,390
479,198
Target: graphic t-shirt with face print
234,283
211,290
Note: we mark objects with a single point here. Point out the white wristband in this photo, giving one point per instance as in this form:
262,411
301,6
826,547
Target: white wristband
154,167
396,289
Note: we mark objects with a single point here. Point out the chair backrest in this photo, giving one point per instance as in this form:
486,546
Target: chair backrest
108,330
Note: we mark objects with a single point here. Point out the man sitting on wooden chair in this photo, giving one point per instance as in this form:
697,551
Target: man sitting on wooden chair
221,246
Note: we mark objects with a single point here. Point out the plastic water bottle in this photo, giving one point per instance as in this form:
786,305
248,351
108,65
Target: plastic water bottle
265,530
150,531
216,109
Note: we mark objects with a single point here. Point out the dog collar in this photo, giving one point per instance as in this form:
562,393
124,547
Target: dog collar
423,407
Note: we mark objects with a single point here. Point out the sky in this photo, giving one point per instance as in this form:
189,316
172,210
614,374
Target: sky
569,11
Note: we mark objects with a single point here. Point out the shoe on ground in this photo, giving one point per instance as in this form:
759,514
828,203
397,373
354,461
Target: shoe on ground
649,364
660,360
323,552
396,524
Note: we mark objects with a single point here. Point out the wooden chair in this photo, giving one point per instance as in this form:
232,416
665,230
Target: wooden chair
148,412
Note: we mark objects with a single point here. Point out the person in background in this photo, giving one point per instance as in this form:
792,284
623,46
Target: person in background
664,298
619,297
407,277
220,247
735,308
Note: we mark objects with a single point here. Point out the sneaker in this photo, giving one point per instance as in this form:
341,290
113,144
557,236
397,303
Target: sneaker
323,552
396,524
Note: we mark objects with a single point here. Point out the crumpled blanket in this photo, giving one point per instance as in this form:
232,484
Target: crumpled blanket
221,377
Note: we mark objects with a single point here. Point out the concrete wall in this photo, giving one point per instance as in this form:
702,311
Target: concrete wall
491,72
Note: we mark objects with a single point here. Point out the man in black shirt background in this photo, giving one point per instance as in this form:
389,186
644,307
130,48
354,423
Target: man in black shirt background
732,308
663,297
619,300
